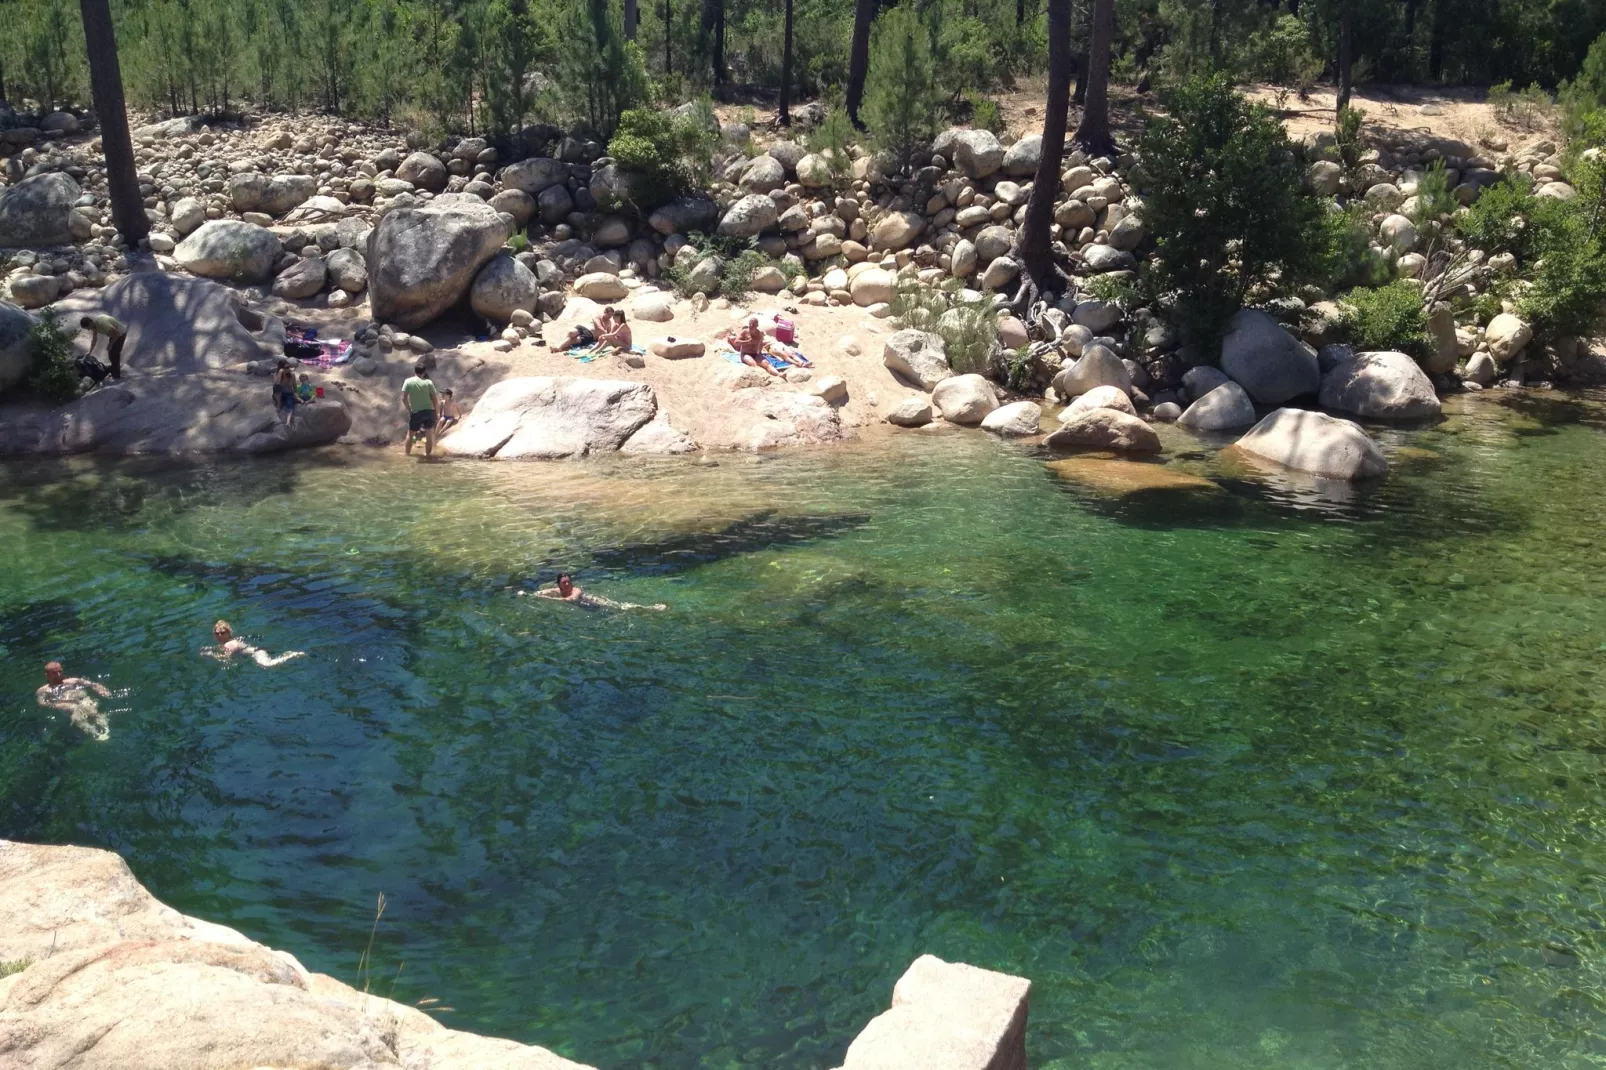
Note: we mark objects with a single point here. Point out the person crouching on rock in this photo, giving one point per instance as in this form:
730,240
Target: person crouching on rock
419,398
115,333
284,392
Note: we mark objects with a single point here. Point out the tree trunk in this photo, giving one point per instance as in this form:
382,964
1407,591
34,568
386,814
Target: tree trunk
630,20
1093,135
2,81
1436,44
713,24
864,12
1079,97
106,86
669,33
1215,34
1293,8
1346,60
1032,242
786,70
1020,12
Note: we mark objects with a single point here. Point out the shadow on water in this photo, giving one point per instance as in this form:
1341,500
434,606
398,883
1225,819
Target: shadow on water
32,628
762,531
1553,411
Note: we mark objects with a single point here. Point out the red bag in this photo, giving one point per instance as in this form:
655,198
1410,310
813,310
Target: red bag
785,331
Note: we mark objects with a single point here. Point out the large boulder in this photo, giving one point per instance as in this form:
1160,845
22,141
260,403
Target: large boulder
229,249
1444,349
897,230
749,216
1105,429
947,1016
1108,258
964,399
1097,366
554,204
1381,386
421,261
684,216
1506,336
424,171
176,323
544,418
918,356
1022,158
16,350
1266,360
1317,443
1019,419
976,153
873,287
34,211
302,279
601,286
764,174
534,175
1226,407
502,287
782,418
348,270
910,412
273,194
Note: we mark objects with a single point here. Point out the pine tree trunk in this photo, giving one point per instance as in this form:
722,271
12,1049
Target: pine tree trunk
864,12
630,20
719,46
106,86
669,33
1436,43
1215,33
1346,60
1020,12
1079,97
1093,134
1032,243
786,71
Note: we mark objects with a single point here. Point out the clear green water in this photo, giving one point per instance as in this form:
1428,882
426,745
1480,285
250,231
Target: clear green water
1250,778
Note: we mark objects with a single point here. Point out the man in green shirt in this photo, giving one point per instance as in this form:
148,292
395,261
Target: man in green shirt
419,398
108,325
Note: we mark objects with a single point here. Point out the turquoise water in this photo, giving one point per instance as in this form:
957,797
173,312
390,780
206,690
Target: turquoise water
1255,774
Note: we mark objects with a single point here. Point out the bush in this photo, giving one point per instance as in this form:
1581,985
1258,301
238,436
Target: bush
666,155
738,277
1389,317
1282,53
1434,198
984,113
1583,100
833,139
54,373
1497,222
901,98
1567,292
1224,206
1345,255
1347,135
967,327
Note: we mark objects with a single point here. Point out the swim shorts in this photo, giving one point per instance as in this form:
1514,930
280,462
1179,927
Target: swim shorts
422,420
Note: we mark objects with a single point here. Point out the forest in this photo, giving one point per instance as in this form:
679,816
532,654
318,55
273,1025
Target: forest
491,66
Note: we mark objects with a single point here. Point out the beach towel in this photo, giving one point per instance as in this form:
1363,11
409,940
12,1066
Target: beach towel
587,354
774,360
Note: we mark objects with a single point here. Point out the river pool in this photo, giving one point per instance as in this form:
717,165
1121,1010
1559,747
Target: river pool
1246,773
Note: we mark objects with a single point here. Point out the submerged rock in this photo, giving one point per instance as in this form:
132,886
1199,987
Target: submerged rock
1317,443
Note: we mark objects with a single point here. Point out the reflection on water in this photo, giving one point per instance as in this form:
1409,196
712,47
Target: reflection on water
1241,771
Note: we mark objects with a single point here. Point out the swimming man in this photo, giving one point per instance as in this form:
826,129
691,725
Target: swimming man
70,694
566,591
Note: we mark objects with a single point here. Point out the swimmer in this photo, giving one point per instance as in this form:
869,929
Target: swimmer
70,694
228,646
566,591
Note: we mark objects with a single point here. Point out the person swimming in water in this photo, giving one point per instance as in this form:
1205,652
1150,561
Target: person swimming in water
566,591
70,694
228,646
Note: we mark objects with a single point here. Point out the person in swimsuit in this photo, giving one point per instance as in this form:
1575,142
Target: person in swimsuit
284,392
450,413
566,591
580,336
420,397
614,330
70,694
228,646
749,343
111,328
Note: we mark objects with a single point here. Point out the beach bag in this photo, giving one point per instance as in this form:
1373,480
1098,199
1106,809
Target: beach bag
92,368
785,331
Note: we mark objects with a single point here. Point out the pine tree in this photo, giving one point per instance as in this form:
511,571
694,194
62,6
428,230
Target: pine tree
1093,133
864,12
901,105
1032,239
106,82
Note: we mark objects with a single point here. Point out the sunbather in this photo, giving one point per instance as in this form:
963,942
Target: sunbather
749,345
583,337
450,412
615,331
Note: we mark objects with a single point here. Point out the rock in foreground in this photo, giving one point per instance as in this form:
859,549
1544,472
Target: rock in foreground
34,211
547,417
118,981
947,1016
1317,443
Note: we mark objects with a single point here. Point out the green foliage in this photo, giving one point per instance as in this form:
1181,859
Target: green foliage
516,43
1347,134
984,113
1345,251
961,53
1433,197
1282,53
833,140
967,327
1114,290
666,155
1224,205
600,75
1525,108
1583,100
1497,222
741,261
902,101
737,279
1389,317
11,966
54,372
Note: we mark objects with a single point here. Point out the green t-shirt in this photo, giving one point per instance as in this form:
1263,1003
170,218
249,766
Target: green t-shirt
109,325
420,393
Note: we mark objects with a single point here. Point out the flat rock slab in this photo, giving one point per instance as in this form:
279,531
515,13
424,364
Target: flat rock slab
947,1016
550,417
1110,475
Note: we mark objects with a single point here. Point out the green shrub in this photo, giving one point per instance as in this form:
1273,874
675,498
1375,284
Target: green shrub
901,99
1347,135
1114,290
1282,53
984,113
738,277
833,139
1583,100
1497,222
1389,317
1434,198
11,966
968,328
1225,206
666,155
962,56
1345,255
54,373
1567,290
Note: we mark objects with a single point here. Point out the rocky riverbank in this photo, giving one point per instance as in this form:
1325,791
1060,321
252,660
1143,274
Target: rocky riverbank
96,974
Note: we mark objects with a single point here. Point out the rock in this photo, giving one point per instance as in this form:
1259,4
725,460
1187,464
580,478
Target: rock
814,171
424,171
1381,386
1481,369
977,153
1226,407
1096,316
896,230
705,275
1325,177
1073,215
1399,233
273,195
873,287
188,213
1012,333
544,418
1021,158
918,356
516,203
1506,336
180,324
16,346
1444,348
833,389
658,437
421,261
1317,443
964,399
652,307
676,348
302,279
992,243
763,174
963,259
1103,258
1201,380
1127,234
768,280
910,412
502,287
790,153
1000,273
1385,196
229,249
1168,412
611,233
778,418
162,243
1266,360
1121,476
748,216
34,211
1556,191
1105,429
1100,397
35,291
534,175
947,1016
1020,419
684,216
1097,366
347,270
114,973
315,425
